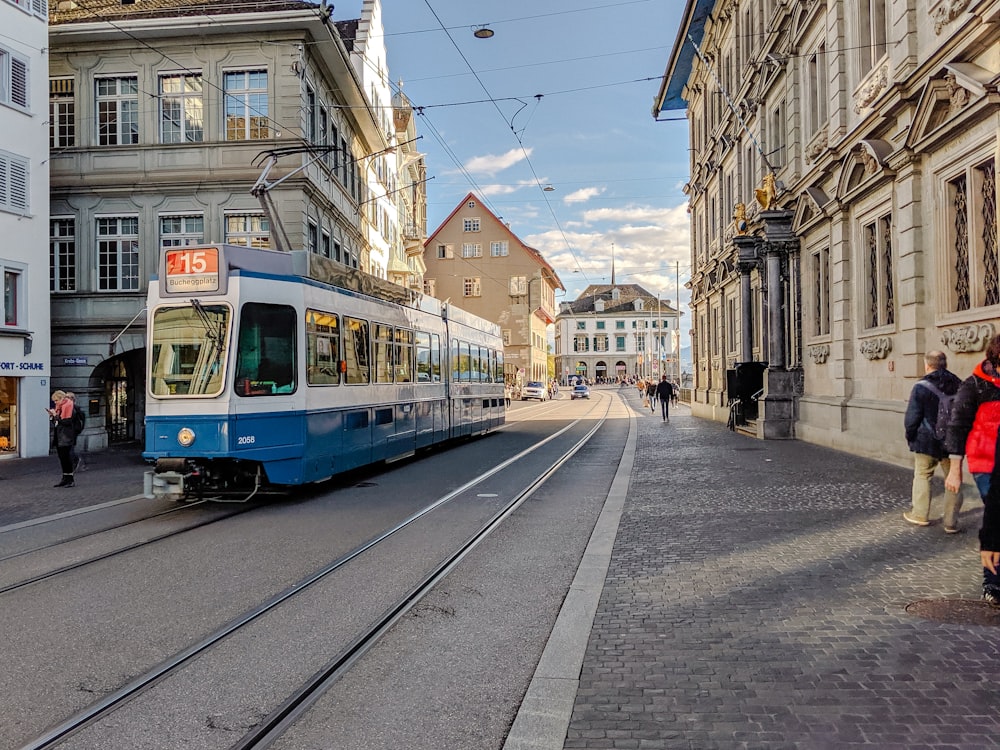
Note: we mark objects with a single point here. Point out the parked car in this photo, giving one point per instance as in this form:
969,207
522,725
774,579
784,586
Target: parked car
580,391
534,389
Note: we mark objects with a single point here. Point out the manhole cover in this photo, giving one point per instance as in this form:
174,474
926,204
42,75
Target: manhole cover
956,611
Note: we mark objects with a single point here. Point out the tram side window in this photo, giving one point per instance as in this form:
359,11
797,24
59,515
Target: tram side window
465,360
322,348
498,374
265,361
435,358
423,349
383,353
356,351
476,355
456,360
403,356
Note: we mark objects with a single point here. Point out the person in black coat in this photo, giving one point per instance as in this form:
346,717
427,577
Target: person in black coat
972,436
928,451
664,392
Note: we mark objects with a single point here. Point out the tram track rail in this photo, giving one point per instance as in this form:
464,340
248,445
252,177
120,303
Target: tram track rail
301,699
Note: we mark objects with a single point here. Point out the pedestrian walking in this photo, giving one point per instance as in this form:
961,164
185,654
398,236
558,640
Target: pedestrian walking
651,394
925,427
665,392
61,414
972,436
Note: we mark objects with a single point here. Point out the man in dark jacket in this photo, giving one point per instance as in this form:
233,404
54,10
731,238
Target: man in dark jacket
664,392
929,451
972,435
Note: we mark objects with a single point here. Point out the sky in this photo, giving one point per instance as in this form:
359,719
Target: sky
560,96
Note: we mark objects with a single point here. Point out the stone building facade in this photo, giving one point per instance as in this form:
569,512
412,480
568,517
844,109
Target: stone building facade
877,238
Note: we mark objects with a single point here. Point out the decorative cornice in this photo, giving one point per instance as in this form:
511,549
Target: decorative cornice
819,353
877,348
947,12
870,91
972,338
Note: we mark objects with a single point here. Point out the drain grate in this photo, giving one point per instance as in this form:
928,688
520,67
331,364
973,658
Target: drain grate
955,611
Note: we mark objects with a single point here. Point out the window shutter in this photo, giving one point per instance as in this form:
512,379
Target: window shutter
40,8
19,82
19,185
4,182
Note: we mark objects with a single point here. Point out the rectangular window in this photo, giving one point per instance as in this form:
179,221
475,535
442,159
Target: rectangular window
182,231
422,346
581,325
324,247
430,287
601,343
505,336
251,230
600,325
357,348
620,325
117,111
403,355
877,249
382,341
62,255
872,26
972,225
14,189
118,254
821,292
181,109
188,350
471,286
246,105
265,352
322,348
619,343
499,249
13,79
11,296
518,286
445,251
62,113
472,250
312,238
470,224
581,344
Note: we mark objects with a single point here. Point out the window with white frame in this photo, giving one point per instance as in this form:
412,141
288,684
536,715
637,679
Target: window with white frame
872,28
817,92
971,219
13,79
182,118
877,251
445,251
13,282
312,237
601,342
249,229
471,224
499,249
117,110
62,113
39,8
182,231
505,336
14,177
246,105
118,253
62,254
581,344
472,286
472,250
518,286
324,247
430,287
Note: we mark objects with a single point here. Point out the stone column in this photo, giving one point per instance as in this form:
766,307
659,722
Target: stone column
747,247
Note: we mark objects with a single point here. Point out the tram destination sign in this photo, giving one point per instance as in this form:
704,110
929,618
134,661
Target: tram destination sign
192,270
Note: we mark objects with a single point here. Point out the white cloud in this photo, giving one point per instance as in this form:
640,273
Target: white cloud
491,163
583,194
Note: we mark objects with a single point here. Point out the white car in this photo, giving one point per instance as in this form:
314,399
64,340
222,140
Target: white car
580,391
534,389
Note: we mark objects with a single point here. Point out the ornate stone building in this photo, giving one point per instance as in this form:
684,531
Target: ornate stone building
876,242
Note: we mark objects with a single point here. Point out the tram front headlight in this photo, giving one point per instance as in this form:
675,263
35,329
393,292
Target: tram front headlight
185,437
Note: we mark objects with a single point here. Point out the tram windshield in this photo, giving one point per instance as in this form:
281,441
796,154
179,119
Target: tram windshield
188,346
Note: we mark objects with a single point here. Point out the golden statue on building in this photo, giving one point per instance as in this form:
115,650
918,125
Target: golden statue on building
767,193
740,219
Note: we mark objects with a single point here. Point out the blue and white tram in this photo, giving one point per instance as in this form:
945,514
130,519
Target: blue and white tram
273,369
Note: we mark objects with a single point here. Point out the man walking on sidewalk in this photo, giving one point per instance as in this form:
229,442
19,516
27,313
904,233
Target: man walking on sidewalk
925,436
664,392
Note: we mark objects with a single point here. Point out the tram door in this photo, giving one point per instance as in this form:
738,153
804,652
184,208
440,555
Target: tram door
119,424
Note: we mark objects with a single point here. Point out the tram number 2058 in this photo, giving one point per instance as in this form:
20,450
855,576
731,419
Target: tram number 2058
245,440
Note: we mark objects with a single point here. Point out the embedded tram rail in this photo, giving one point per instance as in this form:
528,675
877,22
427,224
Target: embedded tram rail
84,729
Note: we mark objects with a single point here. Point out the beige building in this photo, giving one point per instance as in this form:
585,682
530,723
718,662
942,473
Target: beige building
876,242
165,117
474,260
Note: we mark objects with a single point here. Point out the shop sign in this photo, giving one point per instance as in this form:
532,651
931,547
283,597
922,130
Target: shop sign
6,367
74,360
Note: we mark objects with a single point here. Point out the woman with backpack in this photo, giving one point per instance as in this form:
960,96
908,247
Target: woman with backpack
66,432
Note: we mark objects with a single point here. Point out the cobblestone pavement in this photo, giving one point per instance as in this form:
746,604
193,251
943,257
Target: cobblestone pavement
756,598
26,490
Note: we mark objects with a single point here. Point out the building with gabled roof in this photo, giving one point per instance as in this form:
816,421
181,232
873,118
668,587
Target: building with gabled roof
474,260
614,331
